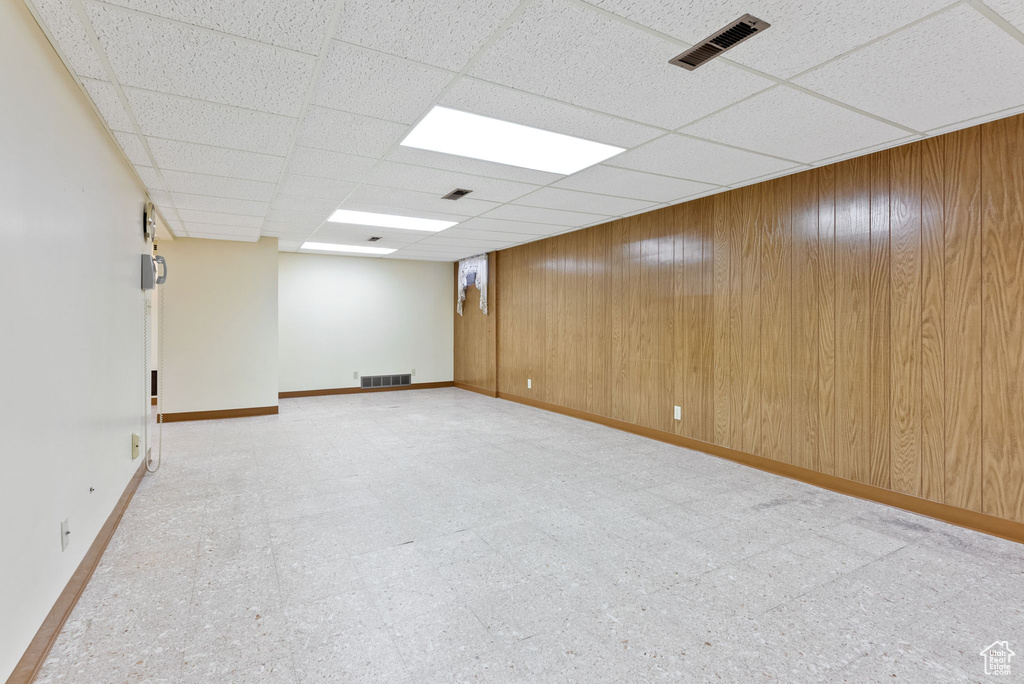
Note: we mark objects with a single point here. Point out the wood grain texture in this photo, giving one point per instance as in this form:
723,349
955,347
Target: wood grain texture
962,319
1002,187
864,320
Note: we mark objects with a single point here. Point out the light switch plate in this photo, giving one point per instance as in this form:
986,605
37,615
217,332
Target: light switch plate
529,383
679,413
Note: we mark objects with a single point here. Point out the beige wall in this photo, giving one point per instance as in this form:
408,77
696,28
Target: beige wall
339,315
220,325
72,360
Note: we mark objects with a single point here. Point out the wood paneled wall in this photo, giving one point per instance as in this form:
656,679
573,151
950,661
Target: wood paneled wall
475,338
863,320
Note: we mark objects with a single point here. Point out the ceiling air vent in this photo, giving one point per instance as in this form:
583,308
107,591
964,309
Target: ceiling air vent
720,41
373,239
457,193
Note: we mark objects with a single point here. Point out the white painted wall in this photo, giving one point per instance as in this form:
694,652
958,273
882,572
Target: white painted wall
219,317
72,361
342,314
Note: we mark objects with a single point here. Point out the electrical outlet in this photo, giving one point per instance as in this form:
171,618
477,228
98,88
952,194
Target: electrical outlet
135,446
529,383
414,372
65,535
679,413
355,375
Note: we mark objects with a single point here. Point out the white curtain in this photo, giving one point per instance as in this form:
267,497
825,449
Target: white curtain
476,265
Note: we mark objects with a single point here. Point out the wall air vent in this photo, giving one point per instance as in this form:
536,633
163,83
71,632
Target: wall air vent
376,381
373,239
457,193
720,41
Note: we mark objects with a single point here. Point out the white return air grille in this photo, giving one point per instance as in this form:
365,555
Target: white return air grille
720,41
375,381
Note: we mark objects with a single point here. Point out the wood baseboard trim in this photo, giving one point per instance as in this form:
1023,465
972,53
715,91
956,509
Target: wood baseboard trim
35,655
360,390
152,401
217,415
479,390
980,522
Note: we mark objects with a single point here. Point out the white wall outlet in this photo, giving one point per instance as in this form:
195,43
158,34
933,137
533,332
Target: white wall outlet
529,383
679,413
65,535
355,375
414,372
135,445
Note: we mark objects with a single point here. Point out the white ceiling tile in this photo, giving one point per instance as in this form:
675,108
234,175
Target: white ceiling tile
348,72
405,256
330,129
675,155
106,100
217,186
306,161
460,231
296,218
1010,10
416,213
177,118
425,247
288,245
221,236
508,104
472,167
177,229
61,20
516,212
191,216
459,243
160,197
151,53
982,70
298,26
573,200
218,161
132,147
312,186
220,229
862,152
286,230
568,52
399,200
785,122
224,205
342,234
818,30
611,180
308,205
524,228
149,177
440,182
445,34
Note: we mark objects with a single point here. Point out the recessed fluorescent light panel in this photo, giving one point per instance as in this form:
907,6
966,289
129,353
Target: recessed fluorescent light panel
366,218
354,249
481,137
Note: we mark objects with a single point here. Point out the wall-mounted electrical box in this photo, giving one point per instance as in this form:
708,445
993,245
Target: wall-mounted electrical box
135,446
65,535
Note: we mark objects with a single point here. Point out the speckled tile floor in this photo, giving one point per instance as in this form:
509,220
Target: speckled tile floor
441,536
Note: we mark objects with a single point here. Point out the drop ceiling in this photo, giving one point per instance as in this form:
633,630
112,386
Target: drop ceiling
250,118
